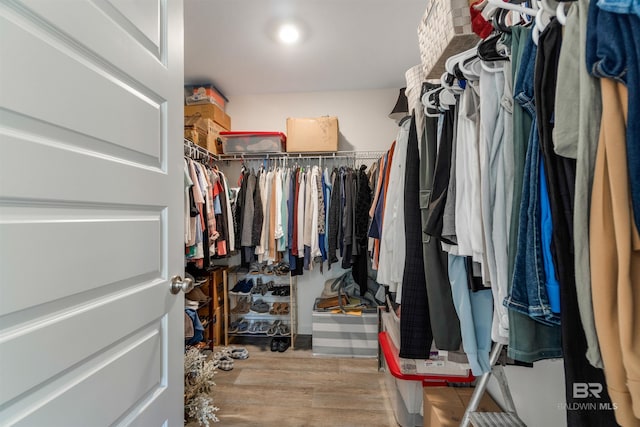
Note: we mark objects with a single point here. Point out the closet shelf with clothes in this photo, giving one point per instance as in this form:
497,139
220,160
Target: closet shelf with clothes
303,216
209,228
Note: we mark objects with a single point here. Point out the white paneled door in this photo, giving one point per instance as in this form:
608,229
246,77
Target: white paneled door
91,190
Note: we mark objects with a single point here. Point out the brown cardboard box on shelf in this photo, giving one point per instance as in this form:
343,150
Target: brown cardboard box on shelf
209,111
445,406
203,131
312,134
213,144
192,135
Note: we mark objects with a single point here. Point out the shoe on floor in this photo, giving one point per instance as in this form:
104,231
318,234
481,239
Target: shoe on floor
275,344
283,345
237,353
225,363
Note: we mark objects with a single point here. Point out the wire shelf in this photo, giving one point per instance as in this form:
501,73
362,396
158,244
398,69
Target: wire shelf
195,151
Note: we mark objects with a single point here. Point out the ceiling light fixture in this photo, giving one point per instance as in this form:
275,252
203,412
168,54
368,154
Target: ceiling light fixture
288,34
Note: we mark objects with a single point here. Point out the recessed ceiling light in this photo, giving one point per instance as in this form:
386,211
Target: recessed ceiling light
288,34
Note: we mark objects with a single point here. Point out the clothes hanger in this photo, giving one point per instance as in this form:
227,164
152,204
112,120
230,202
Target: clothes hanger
459,57
448,82
499,21
547,7
541,22
447,99
471,68
510,6
542,19
561,13
488,49
428,100
436,97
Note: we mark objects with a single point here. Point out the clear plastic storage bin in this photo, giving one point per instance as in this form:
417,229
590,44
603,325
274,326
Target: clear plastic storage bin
253,142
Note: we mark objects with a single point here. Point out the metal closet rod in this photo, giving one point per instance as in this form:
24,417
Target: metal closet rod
306,155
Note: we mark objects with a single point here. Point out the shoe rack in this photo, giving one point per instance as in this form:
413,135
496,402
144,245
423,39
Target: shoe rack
210,293
248,314
218,280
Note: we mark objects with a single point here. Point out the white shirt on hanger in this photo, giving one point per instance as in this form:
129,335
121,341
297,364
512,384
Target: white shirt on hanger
278,184
392,242
469,230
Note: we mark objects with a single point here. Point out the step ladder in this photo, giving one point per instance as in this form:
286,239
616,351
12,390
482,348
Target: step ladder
509,418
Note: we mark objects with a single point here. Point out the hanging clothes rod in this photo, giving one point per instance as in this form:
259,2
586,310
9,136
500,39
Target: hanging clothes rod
306,155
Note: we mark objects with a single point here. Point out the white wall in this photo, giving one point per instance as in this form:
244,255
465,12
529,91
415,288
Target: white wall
362,115
363,125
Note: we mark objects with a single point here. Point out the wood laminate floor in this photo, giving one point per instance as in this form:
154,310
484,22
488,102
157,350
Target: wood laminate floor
295,388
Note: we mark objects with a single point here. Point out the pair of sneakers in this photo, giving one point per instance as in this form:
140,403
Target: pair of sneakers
244,286
279,308
281,291
243,306
282,268
259,306
261,287
280,344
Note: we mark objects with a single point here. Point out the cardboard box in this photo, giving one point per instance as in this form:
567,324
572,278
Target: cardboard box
209,111
214,144
445,406
192,135
312,134
204,132
405,398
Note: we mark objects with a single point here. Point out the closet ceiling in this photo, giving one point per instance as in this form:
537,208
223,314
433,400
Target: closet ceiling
347,44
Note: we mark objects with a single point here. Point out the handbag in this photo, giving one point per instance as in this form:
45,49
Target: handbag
341,284
340,293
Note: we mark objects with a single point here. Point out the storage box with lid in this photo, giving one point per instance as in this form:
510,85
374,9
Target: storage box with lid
210,111
440,362
312,134
253,142
346,335
204,94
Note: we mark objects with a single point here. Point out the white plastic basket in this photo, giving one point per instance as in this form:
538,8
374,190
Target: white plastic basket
444,30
